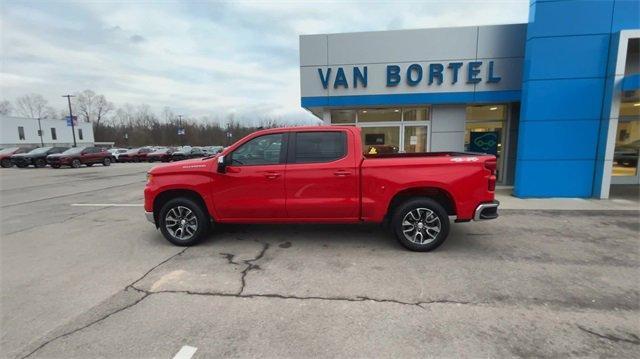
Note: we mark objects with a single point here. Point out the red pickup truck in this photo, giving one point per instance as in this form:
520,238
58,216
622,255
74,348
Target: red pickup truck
320,175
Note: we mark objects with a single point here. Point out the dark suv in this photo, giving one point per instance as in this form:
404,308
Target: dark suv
36,157
77,156
187,153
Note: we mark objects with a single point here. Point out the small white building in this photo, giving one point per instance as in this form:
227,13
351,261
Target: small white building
22,131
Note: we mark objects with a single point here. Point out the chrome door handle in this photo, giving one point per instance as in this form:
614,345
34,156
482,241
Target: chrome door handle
272,175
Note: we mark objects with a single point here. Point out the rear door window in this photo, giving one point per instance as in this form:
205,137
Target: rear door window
314,147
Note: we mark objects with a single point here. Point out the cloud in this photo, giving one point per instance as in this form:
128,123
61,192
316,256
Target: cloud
136,39
199,58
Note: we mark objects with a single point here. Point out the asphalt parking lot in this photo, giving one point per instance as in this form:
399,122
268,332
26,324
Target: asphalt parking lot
81,278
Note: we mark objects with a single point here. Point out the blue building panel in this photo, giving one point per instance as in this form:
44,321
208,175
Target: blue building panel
411,99
574,17
558,140
579,99
567,57
567,60
562,178
626,15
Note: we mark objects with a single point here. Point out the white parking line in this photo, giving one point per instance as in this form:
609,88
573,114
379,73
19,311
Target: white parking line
107,204
186,352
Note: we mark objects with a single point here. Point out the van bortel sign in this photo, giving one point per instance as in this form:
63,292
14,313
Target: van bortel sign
434,73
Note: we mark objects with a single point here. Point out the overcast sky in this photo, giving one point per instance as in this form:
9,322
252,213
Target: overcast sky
199,58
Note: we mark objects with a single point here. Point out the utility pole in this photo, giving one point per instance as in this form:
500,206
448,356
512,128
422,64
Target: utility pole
40,133
73,131
180,130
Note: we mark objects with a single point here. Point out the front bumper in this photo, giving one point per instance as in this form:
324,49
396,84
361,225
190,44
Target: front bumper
486,211
150,217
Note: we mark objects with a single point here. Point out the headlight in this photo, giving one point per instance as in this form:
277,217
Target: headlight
149,177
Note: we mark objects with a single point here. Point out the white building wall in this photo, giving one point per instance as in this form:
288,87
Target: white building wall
9,135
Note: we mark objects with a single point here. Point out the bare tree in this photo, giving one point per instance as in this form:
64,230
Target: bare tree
50,113
92,107
167,115
5,108
31,105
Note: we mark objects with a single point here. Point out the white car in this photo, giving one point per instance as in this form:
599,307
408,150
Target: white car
115,153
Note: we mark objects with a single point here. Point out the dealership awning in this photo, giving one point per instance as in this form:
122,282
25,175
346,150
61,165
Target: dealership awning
631,82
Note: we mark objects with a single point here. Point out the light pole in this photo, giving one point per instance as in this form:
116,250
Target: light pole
73,131
40,132
180,130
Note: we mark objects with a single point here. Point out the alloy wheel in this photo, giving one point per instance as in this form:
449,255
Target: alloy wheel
421,226
181,223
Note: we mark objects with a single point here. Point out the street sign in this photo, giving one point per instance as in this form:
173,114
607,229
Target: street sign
75,120
181,132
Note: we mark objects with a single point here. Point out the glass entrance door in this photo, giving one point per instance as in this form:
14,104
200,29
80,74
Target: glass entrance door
627,149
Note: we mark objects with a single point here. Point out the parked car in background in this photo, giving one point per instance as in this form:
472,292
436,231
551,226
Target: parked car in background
116,152
77,156
6,153
135,155
319,174
187,153
36,157
627,155
162,155
212,150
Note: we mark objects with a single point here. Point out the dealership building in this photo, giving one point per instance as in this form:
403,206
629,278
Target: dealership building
557,99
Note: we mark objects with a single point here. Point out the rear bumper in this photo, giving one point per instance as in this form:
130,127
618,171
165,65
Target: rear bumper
486,211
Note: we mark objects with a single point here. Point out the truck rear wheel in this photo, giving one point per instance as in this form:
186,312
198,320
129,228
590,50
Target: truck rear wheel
420,224
183,221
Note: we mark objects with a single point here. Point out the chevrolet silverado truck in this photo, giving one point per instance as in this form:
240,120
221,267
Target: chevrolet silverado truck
320,175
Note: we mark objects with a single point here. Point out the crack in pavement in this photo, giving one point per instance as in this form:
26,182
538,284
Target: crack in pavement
357,299
635,339
91,323
86,325
251,266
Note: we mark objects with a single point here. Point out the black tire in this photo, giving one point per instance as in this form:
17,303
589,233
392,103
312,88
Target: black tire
40,163
89,164
76,163
432,216
6,163
55,166
106,161
202,221
136,159
22,165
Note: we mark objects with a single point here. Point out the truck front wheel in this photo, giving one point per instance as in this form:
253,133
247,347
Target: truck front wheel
420,224
183,222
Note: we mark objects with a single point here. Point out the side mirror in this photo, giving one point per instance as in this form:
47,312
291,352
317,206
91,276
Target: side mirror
222,166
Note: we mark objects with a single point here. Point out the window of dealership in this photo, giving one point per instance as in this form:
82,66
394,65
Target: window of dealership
407,129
